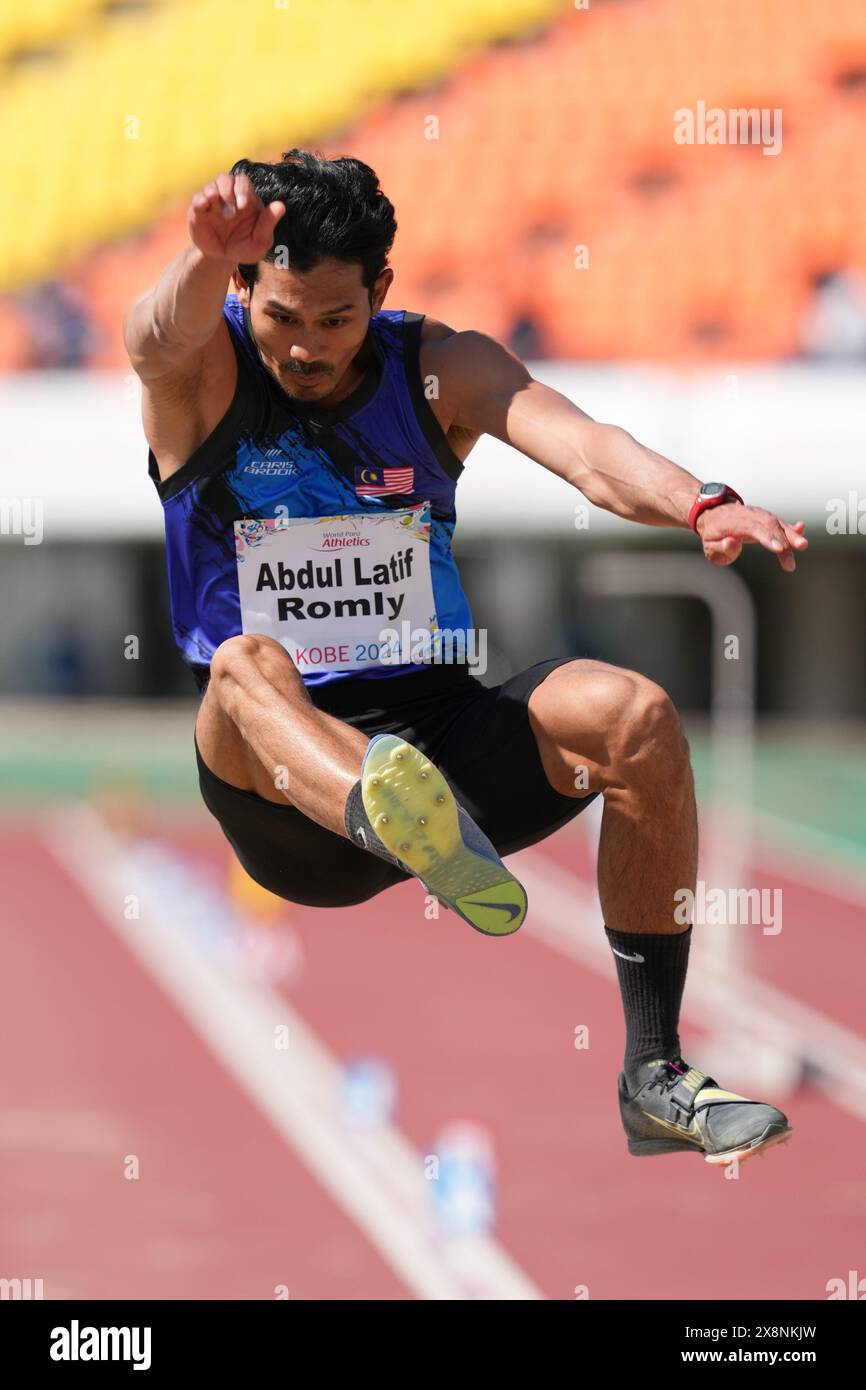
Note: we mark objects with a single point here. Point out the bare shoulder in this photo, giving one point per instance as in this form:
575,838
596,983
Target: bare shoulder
437,362
468,366
463,356
436,352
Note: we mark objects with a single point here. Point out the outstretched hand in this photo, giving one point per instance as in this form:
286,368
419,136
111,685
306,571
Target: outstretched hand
725,530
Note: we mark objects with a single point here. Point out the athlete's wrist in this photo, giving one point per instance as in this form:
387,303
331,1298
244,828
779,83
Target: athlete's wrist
709,497
699,524
199,257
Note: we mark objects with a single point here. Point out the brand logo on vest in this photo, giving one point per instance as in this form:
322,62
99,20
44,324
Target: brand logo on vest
277,466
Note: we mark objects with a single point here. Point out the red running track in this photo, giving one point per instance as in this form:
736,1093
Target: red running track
100,1065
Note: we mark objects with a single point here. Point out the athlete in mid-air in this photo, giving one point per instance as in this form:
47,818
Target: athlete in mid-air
306,443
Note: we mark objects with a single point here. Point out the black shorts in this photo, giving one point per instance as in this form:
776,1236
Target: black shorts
479,738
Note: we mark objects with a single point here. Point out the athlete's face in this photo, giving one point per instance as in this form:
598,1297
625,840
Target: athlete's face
310,327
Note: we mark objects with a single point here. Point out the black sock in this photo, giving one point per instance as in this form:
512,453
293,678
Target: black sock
361,832
652,974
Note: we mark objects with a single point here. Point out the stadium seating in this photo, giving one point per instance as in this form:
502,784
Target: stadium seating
42,25
563,140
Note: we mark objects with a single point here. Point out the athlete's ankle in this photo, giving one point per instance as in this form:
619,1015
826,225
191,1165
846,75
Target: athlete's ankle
359,829
638,1072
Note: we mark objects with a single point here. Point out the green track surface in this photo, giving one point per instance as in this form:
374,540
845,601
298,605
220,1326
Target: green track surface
816,784
73,757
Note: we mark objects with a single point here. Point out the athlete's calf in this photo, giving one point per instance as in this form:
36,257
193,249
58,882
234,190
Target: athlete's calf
602,728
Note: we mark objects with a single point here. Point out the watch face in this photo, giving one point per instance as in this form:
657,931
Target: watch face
712,489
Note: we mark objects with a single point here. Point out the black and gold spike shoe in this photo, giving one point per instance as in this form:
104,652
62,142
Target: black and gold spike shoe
679,1109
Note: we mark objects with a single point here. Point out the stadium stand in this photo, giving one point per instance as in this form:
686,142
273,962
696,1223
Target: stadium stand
505,146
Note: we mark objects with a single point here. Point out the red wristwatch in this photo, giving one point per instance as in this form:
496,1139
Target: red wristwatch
711,495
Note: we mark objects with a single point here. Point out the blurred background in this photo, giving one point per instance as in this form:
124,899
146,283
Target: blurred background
211,1093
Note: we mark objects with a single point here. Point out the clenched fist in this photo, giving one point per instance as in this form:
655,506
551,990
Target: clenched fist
229,222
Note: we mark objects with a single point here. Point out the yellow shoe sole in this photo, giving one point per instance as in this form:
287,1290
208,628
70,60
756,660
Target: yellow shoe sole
413,811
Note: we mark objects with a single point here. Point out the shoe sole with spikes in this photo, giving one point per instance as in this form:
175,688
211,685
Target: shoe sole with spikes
416,816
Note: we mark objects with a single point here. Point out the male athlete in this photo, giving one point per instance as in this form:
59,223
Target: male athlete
306,443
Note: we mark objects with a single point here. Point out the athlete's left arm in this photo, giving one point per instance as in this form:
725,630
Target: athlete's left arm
493,393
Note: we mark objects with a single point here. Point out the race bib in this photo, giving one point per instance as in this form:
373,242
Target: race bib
326,587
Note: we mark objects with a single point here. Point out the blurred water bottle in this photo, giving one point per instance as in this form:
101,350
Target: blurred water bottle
464,1192
369,1092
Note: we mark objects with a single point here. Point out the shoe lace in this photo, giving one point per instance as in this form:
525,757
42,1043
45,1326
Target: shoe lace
667,1076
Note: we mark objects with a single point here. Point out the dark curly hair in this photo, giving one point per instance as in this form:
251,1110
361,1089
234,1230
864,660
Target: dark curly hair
334,207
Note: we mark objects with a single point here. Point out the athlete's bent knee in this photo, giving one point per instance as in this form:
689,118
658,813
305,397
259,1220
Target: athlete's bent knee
237,656
652,740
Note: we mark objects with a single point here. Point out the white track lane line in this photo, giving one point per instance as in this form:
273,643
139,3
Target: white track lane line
565,915
376,1177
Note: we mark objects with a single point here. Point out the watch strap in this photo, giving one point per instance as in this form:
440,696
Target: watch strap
703,504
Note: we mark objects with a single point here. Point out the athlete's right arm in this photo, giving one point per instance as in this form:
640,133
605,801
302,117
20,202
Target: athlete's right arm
173,332
168,327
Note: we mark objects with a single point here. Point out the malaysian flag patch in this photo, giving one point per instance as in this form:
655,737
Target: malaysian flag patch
374,482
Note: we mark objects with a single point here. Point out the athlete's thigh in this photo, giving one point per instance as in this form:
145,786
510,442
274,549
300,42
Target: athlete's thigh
286,852
492,761
279,847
